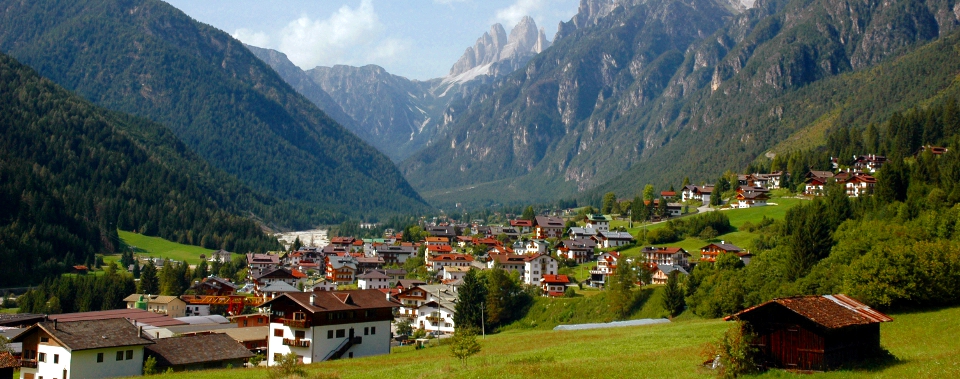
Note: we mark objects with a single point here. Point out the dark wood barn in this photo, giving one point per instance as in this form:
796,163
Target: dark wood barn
814,332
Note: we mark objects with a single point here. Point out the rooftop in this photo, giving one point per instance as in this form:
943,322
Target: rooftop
197,349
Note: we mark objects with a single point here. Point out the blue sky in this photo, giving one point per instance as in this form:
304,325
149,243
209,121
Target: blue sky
418,39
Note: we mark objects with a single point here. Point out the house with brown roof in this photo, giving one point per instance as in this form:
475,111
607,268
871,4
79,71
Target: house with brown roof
666,256
661,273
580,249
710,252
214,286
167,305
869,162
320,326
394,254
859,184
751,199
613,239
816,182
524,226
814,332
436,262
198,352
104,348
373,280
548,226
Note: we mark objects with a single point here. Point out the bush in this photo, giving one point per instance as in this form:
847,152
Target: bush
737,356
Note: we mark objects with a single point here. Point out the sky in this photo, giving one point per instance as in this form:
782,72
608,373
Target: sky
417,39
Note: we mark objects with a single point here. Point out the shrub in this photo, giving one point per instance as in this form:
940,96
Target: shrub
737,356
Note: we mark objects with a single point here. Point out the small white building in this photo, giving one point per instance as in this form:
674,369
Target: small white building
322,326
105,348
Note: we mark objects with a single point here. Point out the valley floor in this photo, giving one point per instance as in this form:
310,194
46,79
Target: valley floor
925,344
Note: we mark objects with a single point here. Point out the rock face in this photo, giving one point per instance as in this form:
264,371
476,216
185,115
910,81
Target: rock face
495,48
302,83
650,91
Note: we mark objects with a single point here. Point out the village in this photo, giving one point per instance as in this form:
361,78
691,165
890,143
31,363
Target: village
355,297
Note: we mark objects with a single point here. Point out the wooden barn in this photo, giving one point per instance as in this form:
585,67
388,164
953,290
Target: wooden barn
814,332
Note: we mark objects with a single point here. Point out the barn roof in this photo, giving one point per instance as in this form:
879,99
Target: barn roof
830,311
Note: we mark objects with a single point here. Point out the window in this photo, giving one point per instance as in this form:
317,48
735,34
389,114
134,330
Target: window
330,334
120,355
373,330
99,357
44,339
56,358
366,331
42,357
278,332
299,334
341,333
129,354
244,322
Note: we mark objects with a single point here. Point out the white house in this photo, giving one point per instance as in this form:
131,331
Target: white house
666,256
531,267
613,239
436,316
600,223
321,326
373,280
104,348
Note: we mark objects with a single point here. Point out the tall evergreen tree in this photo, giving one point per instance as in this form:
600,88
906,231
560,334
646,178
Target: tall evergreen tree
471,297
528,213
149,282
673,297
620,288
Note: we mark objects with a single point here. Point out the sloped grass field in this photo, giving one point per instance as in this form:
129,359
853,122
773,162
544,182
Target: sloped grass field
160,248
925,343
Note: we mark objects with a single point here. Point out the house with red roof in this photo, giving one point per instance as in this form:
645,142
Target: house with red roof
436,262
554,285
524,226
606,266
666,256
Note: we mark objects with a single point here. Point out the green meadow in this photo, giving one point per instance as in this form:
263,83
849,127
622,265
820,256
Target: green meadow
157,247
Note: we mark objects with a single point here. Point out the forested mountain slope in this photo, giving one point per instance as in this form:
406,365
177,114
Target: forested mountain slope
660,90
147,58
72,173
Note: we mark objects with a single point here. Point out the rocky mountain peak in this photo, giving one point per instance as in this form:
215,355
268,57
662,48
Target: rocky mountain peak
495,47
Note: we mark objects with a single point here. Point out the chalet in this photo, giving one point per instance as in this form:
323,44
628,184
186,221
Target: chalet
341,269
454,273
395,254
668,194
751,199
103,348
531,268
524,226
365,263
437,262
666,256
600,223
275,275
816,181
259,263
403,284
710,252
577,232
935,150
438,250
859,185
512,234
547,227
554,285
198,352
320,326
167,305
215,286
436,316
275,289
606,265
373,280
580,250
432,241
690,192
662,273
345,242
250,320
814,332
613,239
869,162
413,297
319,284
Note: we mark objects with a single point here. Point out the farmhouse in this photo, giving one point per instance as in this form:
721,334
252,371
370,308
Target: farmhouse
320,326
548,226
662,273
666,256
710,252
168,305
103,348
814,332
554,285
613,239
600,223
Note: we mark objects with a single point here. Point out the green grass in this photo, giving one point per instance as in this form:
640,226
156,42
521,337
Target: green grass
9,310
590,307
160,248
925,343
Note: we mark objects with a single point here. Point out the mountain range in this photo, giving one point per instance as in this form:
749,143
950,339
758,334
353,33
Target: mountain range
148,59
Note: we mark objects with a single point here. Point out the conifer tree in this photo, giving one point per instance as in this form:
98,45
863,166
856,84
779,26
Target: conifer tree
149,282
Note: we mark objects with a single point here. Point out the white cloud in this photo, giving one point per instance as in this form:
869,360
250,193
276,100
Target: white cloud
249,37
337,39
387,49
511,16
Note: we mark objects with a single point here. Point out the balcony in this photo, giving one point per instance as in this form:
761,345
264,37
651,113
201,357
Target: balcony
28,363
296,342
303,324
435,320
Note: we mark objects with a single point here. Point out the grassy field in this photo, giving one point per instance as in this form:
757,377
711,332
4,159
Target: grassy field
159,247
925,344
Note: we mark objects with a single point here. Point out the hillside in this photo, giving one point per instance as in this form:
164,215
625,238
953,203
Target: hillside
637,96
72,173
149,59
658,351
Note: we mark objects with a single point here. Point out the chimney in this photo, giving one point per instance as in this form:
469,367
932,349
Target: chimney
55,324
140,330
313,299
